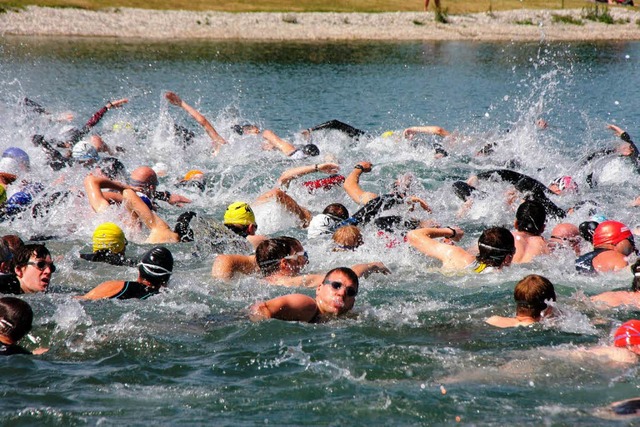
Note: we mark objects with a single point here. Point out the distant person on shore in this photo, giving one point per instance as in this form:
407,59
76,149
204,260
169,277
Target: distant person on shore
335,296
436,2
531,295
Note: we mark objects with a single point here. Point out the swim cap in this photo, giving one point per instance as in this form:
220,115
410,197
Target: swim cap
18,155
627,334
109,236
321,224
3,194
311,150
565,183
156,263
146,200
193,174
387,134
610,232
239,213
84,150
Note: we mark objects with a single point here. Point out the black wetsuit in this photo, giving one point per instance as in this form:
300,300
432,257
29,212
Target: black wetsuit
105,255
370,210
10,349
9,284
634,156
523,183
584,264
340,126
135,290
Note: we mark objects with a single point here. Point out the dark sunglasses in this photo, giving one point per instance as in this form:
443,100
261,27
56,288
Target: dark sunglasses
349,290
41,265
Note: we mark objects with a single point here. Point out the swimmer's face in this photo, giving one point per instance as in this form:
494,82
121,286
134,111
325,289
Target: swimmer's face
337,294
296,261
555,189
626,247
36,275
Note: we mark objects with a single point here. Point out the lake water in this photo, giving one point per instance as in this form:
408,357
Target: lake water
417,350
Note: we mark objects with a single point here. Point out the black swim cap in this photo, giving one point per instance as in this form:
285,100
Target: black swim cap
156,264
587,229
311,150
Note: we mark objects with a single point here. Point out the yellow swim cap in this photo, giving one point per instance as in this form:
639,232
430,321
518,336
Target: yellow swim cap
387,134
3,194
239,213
109,236
193,174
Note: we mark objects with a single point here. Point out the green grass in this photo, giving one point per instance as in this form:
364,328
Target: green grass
524,22
601,14
565,19
452,6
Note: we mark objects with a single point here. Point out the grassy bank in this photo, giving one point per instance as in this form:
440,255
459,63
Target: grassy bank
452,6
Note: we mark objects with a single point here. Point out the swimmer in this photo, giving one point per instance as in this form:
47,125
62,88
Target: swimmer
32,271
565,235
496,248
109,245
630,298
531,295
194,179
6,256
529,225
154,272
347,238
240,219
273,141
217,141
328,221
16,319
146,179
335,296
613,243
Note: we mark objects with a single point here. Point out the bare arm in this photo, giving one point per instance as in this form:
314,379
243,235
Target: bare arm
295,307
288,203
226,266
279,143
410,132
202,121
291,174
159,230
423,239
352,184
93,186
364,270
104,290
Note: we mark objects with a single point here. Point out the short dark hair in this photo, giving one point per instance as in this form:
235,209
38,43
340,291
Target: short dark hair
530,294
269,253
24,254
347,272
16,318
311,150
336,209
531,217
494,245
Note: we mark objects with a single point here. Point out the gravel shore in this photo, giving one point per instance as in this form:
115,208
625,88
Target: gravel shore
517,25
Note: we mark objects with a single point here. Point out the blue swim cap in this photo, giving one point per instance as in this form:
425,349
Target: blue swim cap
146,200
18,155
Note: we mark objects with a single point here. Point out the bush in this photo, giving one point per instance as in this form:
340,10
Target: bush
565,19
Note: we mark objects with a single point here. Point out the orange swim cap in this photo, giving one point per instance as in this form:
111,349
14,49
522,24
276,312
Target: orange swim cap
193,174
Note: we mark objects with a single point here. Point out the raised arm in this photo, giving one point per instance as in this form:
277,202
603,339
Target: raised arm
352,184
159,230
202,121
93,186
410,132
424,240
293,173
364,270
295,307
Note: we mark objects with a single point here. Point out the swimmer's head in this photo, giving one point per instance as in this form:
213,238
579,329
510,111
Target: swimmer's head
611,232
239,213
387,134
587,228
348,237
562,184
16,318
84,151
156,265
109,236
530,295
245,129
19,155
531,217
496,247
628,334
311,150
194,174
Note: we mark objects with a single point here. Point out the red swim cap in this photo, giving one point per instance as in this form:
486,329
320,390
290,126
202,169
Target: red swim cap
627,334
610,232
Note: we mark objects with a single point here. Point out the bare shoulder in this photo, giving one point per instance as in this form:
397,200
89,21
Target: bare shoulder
105,290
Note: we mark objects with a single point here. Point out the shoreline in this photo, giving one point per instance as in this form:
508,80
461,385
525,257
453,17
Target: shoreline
126,23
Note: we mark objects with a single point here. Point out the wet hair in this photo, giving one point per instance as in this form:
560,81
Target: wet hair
494,245
13,241
337,210
635,283
531,217
183,226
530,294
269,253
311,150
24,254
16,318
587,228
347,272
348,237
